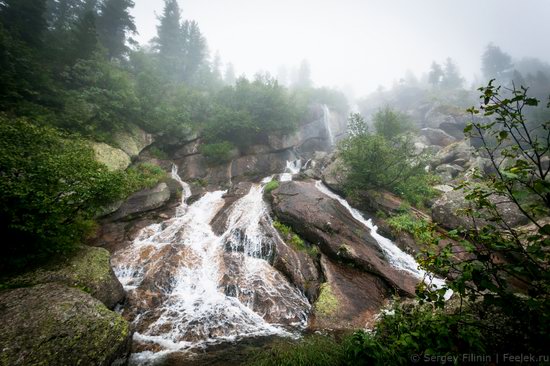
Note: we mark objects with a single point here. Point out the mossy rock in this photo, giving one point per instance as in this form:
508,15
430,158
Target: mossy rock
133,140
113,158
53,324
89,270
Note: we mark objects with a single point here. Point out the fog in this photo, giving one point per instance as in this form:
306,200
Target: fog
360,43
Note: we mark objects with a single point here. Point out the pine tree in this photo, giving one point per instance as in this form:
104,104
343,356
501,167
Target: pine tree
195,49
229,77
303,78
451,76
24,19
496,64
435,75
169,41
114,24
84,38
62,14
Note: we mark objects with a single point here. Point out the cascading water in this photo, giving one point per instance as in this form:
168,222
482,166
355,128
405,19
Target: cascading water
327,124
188,287
292,168
396,257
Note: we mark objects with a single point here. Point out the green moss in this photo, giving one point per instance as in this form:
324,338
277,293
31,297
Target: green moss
271,186
327,303
85,270
291,237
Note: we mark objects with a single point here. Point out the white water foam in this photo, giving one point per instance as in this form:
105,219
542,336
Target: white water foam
396,257
292,168
182,264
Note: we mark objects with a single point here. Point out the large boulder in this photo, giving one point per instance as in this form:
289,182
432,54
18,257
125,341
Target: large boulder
89,270
284,142
349,299
113,158
461,151
446,211
323,221
260,166
53,324
133,140
143,201
437,137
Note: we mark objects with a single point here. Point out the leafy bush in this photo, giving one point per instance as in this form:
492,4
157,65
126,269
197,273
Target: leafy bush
50,188
418,189
390,123
373,162
420,229
142,176
408,333
217,152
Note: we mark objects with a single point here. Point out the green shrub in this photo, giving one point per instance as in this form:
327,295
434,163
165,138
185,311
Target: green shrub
420,229
158,153
408,333
418,189
390,123
217,153
142,176
51,187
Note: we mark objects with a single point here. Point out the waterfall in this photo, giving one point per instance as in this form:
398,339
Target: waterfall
292,168
186,190
327,124
188,287
395,256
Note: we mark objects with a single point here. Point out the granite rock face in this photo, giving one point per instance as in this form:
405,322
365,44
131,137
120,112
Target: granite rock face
53,324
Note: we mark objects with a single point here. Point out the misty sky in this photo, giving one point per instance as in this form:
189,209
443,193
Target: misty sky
360,43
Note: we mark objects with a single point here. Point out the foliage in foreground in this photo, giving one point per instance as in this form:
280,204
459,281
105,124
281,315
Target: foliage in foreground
51,187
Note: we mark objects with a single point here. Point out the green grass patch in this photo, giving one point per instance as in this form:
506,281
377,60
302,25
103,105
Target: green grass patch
420,229
327,303
292,238
271,186
312,350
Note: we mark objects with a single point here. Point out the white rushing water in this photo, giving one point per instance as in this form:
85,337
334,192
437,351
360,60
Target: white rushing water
292,168
177,274
395,256
327,124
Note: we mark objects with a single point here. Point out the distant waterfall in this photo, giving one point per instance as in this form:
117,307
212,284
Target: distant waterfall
327,124
189,287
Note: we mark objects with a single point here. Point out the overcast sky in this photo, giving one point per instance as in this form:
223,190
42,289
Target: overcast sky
360,43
